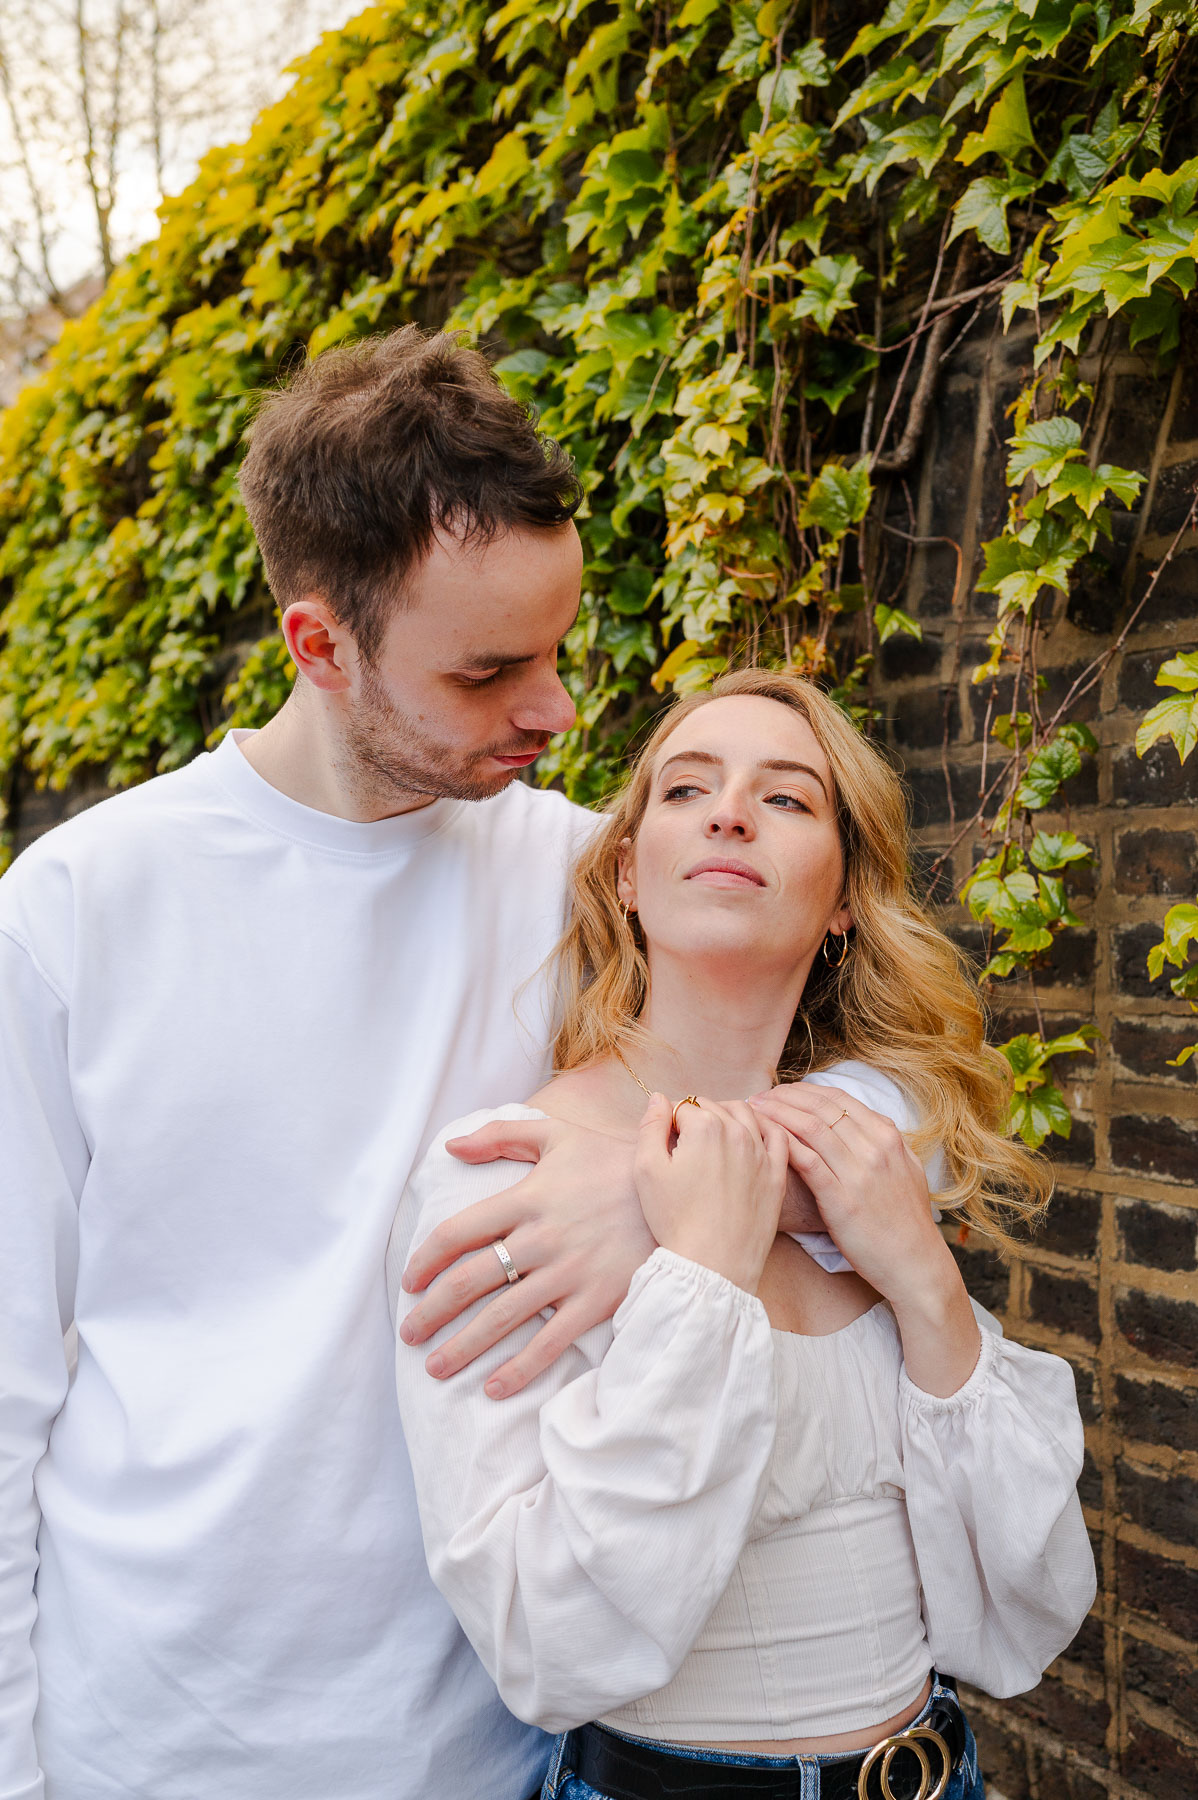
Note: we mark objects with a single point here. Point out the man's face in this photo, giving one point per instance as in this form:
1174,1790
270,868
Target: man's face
463,691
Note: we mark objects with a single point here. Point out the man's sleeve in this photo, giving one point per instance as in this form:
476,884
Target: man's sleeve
43,1162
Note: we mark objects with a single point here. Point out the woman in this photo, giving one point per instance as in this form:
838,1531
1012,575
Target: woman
724,1545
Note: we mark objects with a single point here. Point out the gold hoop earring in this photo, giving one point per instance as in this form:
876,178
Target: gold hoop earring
844,948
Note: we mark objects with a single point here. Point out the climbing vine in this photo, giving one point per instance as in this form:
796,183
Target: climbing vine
726,250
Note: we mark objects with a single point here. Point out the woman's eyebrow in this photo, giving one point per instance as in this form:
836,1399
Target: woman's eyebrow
779,763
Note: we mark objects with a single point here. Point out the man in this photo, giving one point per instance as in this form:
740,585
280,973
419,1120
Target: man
237,1003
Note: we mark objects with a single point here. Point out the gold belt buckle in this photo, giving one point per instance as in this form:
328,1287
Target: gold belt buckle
888,1749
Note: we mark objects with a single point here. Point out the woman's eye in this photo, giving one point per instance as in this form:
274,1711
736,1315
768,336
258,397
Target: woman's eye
681,789
787,801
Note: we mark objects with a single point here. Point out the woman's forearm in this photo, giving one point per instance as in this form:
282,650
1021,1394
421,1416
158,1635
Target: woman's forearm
941,1340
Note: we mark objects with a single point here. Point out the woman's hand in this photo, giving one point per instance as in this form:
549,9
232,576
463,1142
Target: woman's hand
873,1197
715,1197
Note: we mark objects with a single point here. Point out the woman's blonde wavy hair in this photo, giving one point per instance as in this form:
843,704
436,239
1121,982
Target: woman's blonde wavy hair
902,1000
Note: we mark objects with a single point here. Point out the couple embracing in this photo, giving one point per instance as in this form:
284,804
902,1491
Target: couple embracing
341,1064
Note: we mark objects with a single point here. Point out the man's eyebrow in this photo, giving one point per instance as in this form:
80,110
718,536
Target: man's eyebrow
773,762
501,660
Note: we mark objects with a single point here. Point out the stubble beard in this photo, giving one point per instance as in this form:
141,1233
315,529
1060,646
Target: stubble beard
390,757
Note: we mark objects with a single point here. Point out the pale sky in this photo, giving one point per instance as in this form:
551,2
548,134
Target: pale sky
228,62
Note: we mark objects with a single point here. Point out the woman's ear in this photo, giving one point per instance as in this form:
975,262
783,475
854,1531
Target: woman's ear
625,886
841,921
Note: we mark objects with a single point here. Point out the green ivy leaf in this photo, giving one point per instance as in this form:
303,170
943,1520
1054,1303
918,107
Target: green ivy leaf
837,498
1008,129
1056,849
982,208
1043,449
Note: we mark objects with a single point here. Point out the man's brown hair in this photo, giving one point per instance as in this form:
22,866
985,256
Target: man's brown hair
375,446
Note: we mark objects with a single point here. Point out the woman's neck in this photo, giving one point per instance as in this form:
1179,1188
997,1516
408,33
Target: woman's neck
714,1035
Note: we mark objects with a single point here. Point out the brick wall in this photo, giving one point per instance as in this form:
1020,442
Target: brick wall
1110,1280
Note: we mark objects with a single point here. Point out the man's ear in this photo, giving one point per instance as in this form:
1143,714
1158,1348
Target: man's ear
321,648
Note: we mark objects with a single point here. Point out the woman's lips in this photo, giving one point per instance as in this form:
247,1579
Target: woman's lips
725,873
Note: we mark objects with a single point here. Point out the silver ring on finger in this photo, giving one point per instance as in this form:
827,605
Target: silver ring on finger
506,1263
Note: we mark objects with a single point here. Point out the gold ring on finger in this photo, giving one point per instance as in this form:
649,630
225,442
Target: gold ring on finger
689,1100
837,1119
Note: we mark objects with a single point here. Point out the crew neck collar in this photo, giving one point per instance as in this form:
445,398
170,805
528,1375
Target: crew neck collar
269,806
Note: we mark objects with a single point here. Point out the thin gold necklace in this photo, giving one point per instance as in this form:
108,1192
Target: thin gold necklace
687,1100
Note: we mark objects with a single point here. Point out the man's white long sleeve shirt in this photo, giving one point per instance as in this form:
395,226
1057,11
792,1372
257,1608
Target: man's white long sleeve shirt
229,1027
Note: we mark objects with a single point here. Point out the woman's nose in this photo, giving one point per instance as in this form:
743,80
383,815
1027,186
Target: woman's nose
729,818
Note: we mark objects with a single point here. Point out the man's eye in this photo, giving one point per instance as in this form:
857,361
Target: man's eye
681,789
479,680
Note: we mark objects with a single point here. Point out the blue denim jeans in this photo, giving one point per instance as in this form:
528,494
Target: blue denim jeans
562,1783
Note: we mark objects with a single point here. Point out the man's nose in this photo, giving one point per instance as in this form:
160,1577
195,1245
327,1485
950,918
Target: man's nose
547,707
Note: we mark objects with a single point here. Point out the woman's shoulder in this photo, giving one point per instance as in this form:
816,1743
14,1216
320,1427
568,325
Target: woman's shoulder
872,1086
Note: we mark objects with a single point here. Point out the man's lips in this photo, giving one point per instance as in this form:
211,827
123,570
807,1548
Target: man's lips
725,871
522,760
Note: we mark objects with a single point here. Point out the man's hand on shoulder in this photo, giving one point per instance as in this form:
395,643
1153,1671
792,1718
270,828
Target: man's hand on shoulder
573,1228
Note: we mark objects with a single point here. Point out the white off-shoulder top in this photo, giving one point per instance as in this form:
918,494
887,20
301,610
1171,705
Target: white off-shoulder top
696,1528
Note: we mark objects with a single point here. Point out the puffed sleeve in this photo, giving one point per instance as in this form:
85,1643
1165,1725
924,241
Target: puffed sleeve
583,1529
1004,1558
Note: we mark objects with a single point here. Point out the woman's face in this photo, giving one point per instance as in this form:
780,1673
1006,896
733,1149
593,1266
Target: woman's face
738,855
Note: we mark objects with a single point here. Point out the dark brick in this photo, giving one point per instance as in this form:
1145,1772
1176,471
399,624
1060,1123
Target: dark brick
1173,498
1096,590
1077,1717
1134,422
1137,679
1058,1777
1162,1677
1002,1755
1089,1396
939,582
1070,1226
929,795
1132,945
1156,1413
1185,413
1158,1502
1146,1048
1156,862
918,718
1162,1237
1072,960
904,657
1161,1765
1175,596
1165,1592
1089,1646
1164,1329
1077,1149
1158,778
1089,1484
986,1276
1155,1146
994,698
1064,1303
